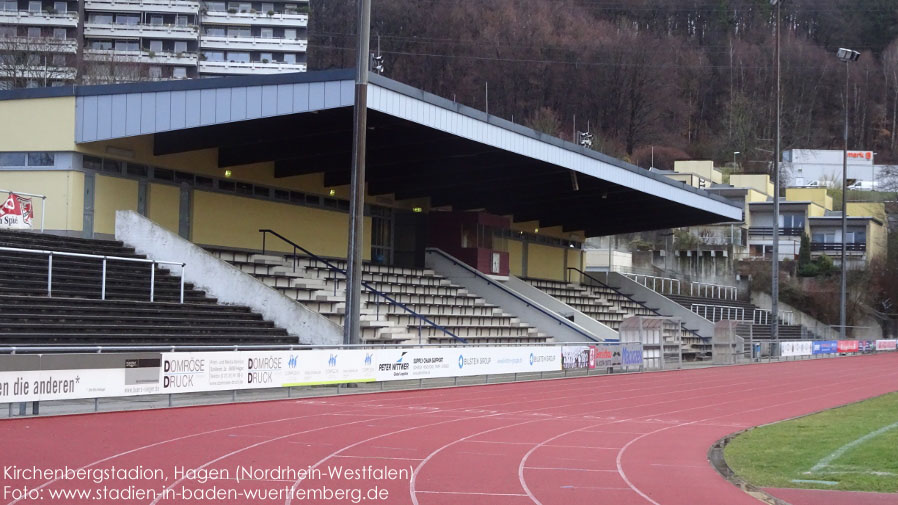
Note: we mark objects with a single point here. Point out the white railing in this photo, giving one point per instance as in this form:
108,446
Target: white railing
42,197
762,316
724,311
50,255
656,282
709,290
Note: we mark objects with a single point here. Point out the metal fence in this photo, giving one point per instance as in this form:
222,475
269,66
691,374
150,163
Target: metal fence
663,285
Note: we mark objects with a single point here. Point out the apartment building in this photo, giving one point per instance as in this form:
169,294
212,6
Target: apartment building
49,42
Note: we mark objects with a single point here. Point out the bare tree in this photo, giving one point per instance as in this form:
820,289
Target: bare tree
33,61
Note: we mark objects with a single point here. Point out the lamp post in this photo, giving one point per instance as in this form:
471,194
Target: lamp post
775,266
351,332
846,56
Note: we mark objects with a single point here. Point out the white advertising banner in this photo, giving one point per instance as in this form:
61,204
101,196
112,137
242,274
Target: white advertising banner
28,378
886,345
800,348
217,371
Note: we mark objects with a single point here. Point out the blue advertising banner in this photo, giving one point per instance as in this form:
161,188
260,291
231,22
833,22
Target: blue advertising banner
631,354
825,347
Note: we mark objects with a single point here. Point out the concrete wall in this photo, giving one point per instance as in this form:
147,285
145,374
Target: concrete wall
225,282
528,310
764,301
665,306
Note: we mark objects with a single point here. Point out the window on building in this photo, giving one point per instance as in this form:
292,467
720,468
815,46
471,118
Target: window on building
40,159
102,19
34,32
126,19
266,57
179,72
267,7
180,46
156,20
34,6
8,31
216,6
137,170
214,55
239,57
267,33
238,32
245,6
181,20
101,44
290,34
92,162
289,58
156,46
154,72
215,31
12,159
59,33
61,7
9,5
793,221
59,60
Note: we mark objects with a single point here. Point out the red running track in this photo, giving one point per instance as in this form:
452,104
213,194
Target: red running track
624,439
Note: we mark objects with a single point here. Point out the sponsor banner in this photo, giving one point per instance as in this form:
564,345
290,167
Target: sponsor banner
886,345
799,348
27,378
16,212
608,355
631,354
825,347
849,346
866,345
577,356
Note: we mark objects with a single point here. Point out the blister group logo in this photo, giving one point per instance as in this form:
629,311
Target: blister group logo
461,361
531,359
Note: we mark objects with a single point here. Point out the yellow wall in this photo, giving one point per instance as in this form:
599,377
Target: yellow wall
545,262
234,221
64,191
877,241
816,195
815,210
864,209
516,258
759,182
574,260
41,124
163,205
112,194
703,168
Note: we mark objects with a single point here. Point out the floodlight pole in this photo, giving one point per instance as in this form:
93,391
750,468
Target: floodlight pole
351,331
843,284
775,266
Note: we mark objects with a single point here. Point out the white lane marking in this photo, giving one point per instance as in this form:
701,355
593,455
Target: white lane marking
838,453
470,493
566,469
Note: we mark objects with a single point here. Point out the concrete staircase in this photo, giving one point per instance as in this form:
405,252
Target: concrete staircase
75,314
317,286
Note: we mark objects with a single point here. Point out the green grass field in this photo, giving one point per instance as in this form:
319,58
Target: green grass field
851,448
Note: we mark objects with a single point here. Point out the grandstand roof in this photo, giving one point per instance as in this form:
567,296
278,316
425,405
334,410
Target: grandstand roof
419,145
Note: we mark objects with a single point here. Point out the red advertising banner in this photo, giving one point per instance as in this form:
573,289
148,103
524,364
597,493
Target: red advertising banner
16,212
848,346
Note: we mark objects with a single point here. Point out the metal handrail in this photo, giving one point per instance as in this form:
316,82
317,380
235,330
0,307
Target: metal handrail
762,316
34,195
50,255
739,312
336,269
720,291
670,282
581,272
99,349
561,319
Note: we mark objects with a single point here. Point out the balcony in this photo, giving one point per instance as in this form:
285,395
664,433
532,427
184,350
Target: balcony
256,19
178,32
253,44
186,58
164,6
241,67
39,73
768,230
43,18
40,45
837,247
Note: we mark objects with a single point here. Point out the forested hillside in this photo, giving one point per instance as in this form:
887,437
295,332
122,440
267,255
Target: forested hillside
694,78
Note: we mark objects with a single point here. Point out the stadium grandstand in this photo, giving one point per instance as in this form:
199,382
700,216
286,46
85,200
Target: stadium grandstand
238,189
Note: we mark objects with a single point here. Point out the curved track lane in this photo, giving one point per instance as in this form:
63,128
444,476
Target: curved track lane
626,439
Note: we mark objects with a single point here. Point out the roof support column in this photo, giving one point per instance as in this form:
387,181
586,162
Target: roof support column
351,330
